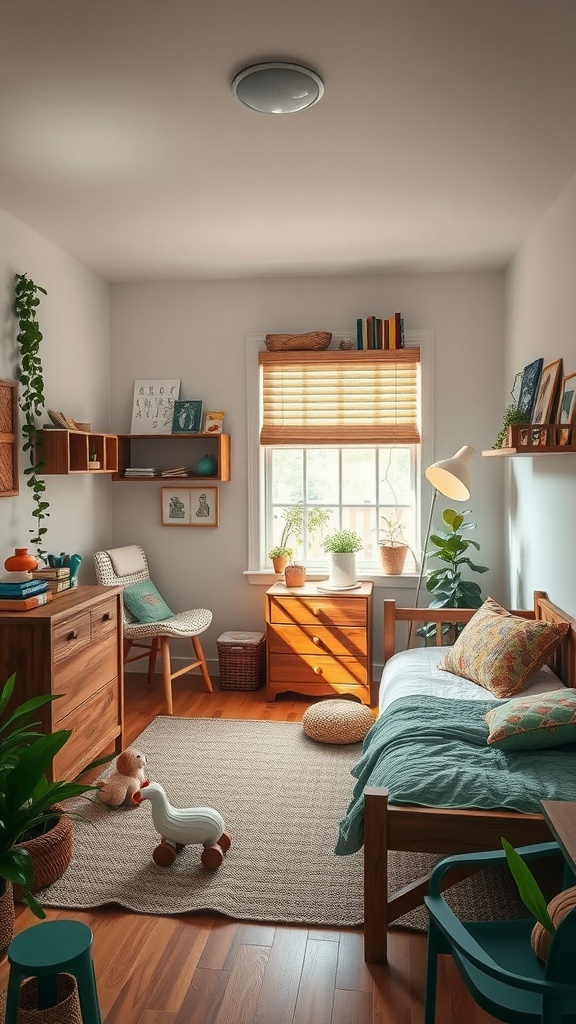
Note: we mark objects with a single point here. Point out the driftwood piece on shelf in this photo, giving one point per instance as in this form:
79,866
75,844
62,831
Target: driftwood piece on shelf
286,342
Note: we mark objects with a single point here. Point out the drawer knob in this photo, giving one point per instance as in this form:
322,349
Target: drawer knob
106,617
72,635
316,640
318,670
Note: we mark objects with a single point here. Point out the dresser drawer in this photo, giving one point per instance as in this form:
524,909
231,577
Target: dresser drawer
350,611
104,619
311,669
338,640
94,723
80,675
71,636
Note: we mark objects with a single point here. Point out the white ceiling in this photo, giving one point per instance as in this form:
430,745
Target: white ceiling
445,131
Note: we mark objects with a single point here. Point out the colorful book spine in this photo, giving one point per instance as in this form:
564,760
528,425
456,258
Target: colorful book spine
24,604
359,330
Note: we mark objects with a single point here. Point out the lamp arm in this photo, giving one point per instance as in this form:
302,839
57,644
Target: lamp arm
422,562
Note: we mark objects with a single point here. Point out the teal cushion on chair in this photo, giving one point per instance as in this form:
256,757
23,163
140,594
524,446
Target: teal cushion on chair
144,602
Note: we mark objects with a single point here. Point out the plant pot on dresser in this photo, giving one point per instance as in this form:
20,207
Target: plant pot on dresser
319,644
71,646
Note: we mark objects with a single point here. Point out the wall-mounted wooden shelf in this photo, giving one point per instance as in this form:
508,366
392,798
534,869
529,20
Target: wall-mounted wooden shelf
64,452
536,439
166,451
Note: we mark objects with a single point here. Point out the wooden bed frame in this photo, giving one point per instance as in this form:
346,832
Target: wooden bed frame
429,830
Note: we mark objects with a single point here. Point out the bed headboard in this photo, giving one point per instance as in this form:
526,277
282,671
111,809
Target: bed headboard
563,661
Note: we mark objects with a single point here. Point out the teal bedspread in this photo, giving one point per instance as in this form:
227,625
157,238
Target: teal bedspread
432,751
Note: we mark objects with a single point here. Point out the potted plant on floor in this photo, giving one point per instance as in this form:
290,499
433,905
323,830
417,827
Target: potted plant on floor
393,548
30,806
342,546
446,584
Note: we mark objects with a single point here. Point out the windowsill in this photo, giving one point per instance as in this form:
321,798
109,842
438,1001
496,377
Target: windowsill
266,577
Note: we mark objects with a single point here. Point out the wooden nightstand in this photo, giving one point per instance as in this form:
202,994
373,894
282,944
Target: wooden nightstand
318,643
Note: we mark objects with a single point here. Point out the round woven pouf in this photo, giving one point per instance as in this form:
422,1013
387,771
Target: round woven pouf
337,721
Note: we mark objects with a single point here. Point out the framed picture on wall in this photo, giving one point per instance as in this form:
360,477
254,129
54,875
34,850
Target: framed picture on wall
545,404
190,506
567,406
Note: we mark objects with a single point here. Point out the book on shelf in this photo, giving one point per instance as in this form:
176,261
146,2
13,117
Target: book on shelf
24,604
140,471
28,589
179,471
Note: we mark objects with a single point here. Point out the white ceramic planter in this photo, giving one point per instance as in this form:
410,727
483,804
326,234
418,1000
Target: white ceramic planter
342,569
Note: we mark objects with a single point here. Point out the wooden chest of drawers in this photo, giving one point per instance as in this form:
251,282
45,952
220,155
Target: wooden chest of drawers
318,643
73,647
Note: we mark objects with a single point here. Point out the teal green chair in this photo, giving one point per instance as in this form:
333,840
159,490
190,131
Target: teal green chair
495,958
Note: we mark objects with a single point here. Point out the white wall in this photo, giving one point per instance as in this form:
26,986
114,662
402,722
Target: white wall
541,300
196,331
75,352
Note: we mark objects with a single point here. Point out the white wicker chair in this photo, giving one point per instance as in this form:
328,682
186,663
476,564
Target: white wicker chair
155,634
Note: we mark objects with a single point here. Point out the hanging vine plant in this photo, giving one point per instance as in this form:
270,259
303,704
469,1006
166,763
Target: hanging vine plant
32,401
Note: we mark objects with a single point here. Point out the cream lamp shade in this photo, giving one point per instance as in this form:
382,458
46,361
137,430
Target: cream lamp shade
452,476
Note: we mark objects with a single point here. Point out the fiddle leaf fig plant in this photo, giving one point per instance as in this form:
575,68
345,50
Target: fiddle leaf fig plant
32,401
447,584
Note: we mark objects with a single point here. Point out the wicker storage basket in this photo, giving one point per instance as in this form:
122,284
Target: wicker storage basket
66,1011
288,342
242,660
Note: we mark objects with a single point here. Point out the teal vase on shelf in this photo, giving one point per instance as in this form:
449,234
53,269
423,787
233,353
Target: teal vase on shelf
207,466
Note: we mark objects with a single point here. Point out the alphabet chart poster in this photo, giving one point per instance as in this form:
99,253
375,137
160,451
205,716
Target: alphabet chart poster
153,406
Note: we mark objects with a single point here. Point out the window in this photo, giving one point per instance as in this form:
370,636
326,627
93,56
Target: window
298,421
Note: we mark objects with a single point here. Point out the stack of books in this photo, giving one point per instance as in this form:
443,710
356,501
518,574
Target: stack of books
140,471
180,471
24,595
56,580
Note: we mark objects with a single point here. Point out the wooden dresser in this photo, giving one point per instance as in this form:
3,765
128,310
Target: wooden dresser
70,646
319,643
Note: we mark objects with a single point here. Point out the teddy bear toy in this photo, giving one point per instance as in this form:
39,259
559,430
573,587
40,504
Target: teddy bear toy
127,779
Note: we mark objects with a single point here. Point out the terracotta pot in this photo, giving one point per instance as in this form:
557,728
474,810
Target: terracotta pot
51,854
280,563
6,917
558,907
21,561
393,557
295,575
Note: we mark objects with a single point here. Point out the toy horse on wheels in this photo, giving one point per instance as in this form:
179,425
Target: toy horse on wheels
185,826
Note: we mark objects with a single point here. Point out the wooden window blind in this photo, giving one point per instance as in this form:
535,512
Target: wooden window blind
340,397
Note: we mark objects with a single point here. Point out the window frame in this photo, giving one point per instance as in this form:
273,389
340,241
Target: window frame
256,455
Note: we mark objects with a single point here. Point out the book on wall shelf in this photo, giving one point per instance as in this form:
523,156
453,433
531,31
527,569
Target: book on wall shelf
179,471
373,332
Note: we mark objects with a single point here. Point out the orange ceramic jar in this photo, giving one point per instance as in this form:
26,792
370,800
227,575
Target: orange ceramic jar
21,561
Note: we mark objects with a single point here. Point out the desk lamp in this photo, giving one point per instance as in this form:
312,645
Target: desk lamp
451,478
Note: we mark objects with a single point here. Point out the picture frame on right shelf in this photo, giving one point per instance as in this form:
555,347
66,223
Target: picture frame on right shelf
545,404
213,422
567,406
529,388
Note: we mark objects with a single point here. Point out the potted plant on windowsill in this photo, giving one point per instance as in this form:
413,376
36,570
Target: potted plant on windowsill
342,546
298,519
30,806
393,548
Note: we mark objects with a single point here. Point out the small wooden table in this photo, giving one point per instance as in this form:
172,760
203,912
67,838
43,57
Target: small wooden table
560,816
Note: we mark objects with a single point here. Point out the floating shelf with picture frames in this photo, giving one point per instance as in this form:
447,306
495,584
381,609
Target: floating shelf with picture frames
167,451
529,439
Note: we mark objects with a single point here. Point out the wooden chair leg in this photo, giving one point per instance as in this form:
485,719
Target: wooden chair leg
203,667
152,659
166,671
127,646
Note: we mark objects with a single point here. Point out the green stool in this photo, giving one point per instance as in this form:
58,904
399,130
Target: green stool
45,951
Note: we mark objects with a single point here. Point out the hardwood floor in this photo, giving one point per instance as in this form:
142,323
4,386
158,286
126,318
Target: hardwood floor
204,969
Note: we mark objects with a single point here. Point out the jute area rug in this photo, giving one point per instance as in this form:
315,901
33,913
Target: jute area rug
281,796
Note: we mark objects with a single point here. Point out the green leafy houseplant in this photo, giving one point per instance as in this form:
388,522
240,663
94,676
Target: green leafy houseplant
32,401
343,542
447,584
392,531
297,520
528,888
27,799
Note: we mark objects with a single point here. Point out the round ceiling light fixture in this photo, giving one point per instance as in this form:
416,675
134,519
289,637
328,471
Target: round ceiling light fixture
277,87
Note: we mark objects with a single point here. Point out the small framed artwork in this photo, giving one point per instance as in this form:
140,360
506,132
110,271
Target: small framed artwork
567,407
213,422
545,404
190,506
529,387
187,416
153,406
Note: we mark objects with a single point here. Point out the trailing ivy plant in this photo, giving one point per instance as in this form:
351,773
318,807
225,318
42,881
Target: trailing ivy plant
32,401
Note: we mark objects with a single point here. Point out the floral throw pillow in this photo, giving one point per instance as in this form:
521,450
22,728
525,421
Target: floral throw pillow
534,722
144,603
499,651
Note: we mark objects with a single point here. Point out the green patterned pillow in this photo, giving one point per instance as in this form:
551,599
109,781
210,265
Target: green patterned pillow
499,651
534,722
144,603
